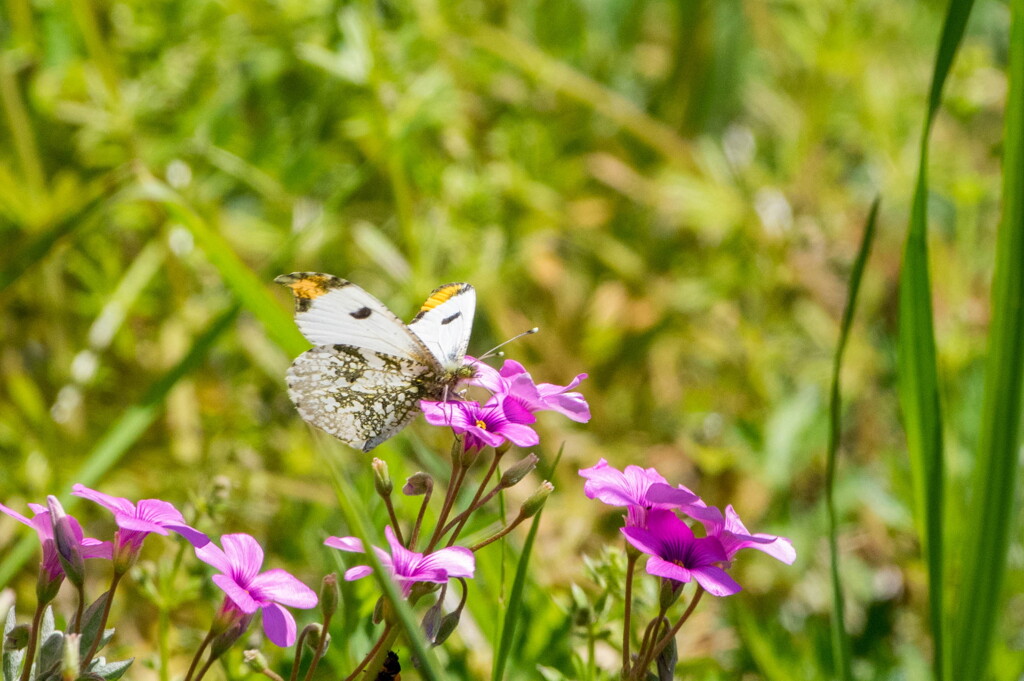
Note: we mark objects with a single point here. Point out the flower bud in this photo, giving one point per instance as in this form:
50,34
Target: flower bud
378,611
518,471
418,484
16,638
72,661
535,501
48,584
381,478
67,543
255,660
313,633
229,636
329,596
669,593
448,624
432,622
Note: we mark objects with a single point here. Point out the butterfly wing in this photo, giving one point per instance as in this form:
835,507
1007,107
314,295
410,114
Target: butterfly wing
358,395
330,310
445,321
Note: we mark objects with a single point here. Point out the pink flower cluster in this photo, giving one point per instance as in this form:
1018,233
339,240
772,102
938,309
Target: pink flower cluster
507,415
674,551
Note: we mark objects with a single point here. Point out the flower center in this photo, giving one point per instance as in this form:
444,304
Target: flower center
481,424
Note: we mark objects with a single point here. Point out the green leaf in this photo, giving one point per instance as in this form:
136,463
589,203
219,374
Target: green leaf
990,520
917,367
840,640
111,670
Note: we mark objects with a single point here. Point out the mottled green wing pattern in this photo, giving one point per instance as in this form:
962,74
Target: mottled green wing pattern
359,396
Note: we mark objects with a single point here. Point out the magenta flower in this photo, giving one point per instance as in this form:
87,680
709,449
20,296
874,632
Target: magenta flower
676,554
408,567
630,488
513,380
89,547
249,590
501,419
733,535
135,523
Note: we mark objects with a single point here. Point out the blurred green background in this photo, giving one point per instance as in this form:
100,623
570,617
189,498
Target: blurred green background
672,191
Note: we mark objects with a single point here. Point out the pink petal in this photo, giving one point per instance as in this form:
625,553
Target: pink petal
94,548
191,535
516,412
512,368
279,625
486,376
358,572
211,554
660,567
454,561
139,525
676,497
280,586
642,539
353,544
716,581
242,599
17,516
524,436
117,505
245,554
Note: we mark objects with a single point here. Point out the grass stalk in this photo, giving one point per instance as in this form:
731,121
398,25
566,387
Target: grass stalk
840,640
22,135
991,515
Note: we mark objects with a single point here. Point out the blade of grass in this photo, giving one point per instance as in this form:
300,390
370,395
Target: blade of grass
840,640
515,599
996,479
346,494
917,367
126,431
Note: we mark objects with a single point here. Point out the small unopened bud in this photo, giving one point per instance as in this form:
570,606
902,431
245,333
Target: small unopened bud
518,471
381,478
418,484
255,661
669,592
535,501
448,624
313,633
16,638
432,622
329,596
72,661
227,638
502,448
68,552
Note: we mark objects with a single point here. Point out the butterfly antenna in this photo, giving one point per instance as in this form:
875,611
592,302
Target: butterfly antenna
494,351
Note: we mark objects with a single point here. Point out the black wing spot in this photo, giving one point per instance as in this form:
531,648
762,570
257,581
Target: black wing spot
449,320
361,313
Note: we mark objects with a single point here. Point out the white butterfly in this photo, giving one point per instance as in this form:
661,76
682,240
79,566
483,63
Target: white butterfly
363,381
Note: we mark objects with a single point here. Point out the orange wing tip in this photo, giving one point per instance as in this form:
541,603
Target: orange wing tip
309,285
442,294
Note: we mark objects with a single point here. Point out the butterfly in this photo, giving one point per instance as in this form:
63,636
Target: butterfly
368,371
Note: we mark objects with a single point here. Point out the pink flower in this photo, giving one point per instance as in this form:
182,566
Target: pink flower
491,425
513,380
676,554
135,523
41,523
630,488
408,567
733,535
249,590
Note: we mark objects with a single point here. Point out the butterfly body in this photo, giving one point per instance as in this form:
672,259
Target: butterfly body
363,380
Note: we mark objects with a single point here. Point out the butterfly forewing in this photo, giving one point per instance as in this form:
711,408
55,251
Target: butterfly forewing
360,396
330,310
445,322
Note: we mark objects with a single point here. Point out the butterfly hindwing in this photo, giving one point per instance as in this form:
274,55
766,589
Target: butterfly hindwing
330,310
358,395
445,321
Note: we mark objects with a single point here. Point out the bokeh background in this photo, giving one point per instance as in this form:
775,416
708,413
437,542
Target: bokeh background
672,191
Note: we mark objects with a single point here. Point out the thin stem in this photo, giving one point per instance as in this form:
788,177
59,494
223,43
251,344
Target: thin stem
591,652
419,519
511,526
199,654
103,621
458,471
32,641
631,558
460,520
389,635
298,654
164,615
270,674
80,609
660,646
642,653
394,519
22,135
205,668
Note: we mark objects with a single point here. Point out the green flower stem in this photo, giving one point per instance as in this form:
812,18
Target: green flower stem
394,519
80,609
419,519
103,621
459,521
458,476
660,645
33,639
508,528
631,558
377,652
199,653
298,654
321,648
641,663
